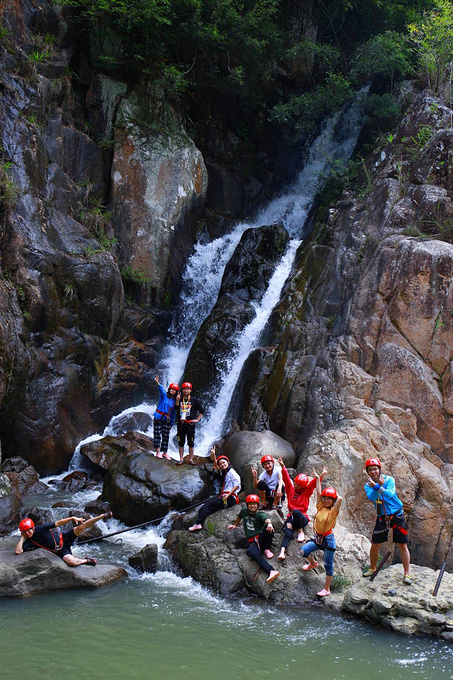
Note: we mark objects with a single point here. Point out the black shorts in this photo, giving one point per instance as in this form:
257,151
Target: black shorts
395,522
69,538
186,430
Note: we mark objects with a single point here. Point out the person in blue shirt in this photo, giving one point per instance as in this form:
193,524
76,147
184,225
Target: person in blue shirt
380,490
164,418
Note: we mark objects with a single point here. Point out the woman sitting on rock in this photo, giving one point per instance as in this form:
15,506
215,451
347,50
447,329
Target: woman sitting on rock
328,506
259,533
164,417
298,494
231,484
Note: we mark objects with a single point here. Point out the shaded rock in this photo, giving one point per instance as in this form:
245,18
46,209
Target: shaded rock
10,506
97,507
109,450
40,515
40,571
139,420
141,487
217,559
244,449
411,610
146,559
75,481
23,475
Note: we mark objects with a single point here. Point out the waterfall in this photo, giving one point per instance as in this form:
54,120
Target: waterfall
204,270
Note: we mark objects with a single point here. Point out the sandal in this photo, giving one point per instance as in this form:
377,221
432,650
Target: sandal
192,462
107,515
91,561
323,593
180,462
309,566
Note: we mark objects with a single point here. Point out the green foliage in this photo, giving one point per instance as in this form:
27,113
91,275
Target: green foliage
432,37
9,191
417,142
339,583
128,273
386,54
307,108
39,56
382,111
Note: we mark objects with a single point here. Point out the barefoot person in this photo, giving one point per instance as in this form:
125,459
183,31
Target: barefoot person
269,484
164,417
259,533
44,536
328,506
189,413
380,490
231,484
298,497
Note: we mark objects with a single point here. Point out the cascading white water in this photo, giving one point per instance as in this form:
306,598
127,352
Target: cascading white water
204,270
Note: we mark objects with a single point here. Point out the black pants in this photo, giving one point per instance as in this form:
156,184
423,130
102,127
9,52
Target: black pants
256,547
212,505
298,520
270,493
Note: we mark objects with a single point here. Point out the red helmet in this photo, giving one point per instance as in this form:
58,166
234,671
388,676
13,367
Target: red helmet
301,480
373,461
253,498
173,386
186,384
223,458
265,459
329,492
26,524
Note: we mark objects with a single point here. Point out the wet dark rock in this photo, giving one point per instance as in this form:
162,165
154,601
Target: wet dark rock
75,481
109,450
10,506
139,420
97,507
40,571
141,487
40,515
244,282
146,559
23,475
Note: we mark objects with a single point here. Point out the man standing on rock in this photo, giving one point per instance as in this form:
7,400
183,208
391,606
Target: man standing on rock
380,490
189,412
45,536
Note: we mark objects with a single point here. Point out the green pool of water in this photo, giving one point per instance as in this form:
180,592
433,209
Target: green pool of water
170,628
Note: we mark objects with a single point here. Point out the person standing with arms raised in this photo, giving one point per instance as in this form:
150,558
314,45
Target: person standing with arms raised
189,412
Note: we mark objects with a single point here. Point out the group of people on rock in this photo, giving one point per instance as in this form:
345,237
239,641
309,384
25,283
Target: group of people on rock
274,485
180,406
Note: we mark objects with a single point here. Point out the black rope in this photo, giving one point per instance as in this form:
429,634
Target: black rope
144,524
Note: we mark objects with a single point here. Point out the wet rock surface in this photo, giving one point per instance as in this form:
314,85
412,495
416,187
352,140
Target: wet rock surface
142,487
409,609
146,559
109,450
23,476
40,571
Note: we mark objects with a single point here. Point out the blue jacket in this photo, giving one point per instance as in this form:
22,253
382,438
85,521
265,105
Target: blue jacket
166,406
385,499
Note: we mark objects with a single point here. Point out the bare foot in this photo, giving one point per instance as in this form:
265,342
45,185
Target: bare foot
268,554
272,576
195,527
300,536
282,555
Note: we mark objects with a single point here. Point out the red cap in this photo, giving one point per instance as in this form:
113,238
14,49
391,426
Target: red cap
253,498
301,480
223,458
173,386
265,459
373,461
186,384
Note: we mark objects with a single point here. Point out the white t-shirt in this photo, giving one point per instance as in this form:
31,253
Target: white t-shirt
232,479
271,480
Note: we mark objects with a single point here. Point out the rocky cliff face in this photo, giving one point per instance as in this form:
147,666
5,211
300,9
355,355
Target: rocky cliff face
360,362
93,207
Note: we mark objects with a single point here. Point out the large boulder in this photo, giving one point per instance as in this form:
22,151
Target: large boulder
146,559
217,558
23,475
109,450
142,487
412,610
244,449
40,571
10,506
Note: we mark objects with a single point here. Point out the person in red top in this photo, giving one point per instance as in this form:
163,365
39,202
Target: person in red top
298,497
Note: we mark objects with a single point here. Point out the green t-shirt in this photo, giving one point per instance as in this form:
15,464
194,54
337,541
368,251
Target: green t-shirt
253,524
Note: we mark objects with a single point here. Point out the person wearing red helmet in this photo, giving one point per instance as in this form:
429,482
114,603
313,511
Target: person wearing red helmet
380,490
189,413
269,484
44,536
164,417
259,533
231,484
298,497
328,506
